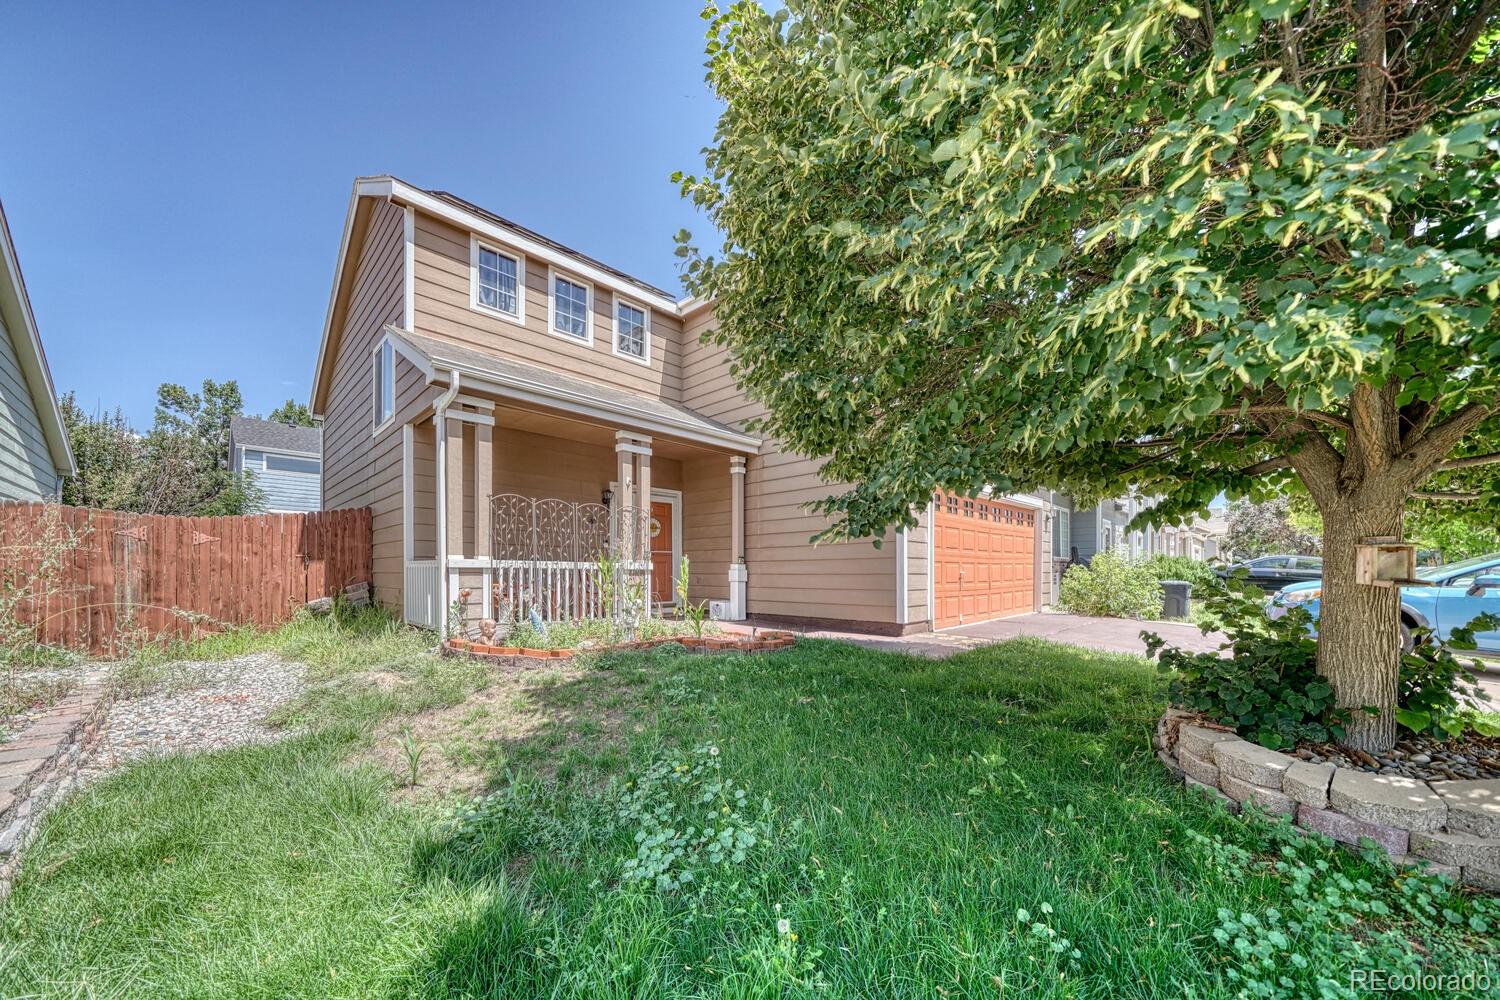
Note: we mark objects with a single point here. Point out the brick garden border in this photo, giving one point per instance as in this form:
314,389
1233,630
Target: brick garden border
521,658
1450,827
41,765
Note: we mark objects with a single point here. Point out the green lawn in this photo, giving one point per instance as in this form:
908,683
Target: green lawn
991,825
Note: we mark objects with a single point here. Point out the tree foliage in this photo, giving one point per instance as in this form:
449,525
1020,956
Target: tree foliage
294,413
180,466
1189,247
1267,527
1153,243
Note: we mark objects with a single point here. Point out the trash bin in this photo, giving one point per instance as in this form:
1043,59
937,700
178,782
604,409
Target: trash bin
1176,598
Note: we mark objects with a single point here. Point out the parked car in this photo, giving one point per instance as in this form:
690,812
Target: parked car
1451,596
1271,573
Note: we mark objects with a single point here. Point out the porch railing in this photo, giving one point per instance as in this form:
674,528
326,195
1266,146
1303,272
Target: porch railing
420,594
545,556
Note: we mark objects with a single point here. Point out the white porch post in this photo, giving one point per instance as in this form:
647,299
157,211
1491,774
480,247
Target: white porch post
484,489
453,504
643,497
739,574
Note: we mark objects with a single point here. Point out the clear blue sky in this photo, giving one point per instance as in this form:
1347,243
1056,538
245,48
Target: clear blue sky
176,175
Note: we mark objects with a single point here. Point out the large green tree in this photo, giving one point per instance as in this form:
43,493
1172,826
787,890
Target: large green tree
1187,246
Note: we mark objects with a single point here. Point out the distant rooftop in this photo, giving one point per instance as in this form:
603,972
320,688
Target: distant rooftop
253,432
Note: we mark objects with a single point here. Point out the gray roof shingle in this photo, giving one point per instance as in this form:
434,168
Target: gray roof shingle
253,432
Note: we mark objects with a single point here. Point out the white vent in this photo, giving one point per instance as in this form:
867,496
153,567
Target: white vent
718,610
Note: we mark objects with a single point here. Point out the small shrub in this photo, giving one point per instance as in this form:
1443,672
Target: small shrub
1268,690
1438,691
1200,574
1110,586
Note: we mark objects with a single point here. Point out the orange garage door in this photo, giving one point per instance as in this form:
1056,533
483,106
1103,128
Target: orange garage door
985,556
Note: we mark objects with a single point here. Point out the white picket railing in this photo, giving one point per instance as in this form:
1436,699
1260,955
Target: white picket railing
420,604
559,590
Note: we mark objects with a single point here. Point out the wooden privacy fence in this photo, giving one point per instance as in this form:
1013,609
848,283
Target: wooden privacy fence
97,580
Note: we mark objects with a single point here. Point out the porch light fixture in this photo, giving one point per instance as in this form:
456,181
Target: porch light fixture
607,496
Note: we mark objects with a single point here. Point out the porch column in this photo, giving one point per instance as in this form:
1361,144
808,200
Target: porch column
739,574
484,489
453,456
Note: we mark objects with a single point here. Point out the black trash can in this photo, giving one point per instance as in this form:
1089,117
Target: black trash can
1176,598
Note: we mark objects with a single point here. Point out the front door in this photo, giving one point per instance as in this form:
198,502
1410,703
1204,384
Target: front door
663,572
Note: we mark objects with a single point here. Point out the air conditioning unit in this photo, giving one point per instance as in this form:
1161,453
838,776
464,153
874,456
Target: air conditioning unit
718,610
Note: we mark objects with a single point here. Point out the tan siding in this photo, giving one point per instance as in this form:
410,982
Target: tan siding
788,576
424,491
705,527
441,290
538,466
918,566
360,470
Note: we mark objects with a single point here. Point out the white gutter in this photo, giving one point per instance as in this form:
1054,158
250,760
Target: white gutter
440,502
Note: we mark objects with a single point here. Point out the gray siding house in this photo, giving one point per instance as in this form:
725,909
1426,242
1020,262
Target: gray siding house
286,462
34,450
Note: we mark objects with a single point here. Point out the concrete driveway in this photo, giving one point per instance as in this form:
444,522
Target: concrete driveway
1112,635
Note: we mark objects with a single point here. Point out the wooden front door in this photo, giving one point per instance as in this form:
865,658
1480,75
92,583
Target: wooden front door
984,554
663,567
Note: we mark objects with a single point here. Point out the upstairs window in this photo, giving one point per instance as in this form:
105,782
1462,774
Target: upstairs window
497,282
632,331
291,463
570,308
385,383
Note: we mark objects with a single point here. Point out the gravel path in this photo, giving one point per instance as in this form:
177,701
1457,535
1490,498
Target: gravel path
223,704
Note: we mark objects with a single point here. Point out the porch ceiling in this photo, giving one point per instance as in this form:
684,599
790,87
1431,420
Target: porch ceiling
558,425
527,387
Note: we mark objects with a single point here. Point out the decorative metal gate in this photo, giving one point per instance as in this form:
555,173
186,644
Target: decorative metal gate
568,560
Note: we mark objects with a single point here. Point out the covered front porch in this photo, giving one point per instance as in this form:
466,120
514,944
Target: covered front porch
510,507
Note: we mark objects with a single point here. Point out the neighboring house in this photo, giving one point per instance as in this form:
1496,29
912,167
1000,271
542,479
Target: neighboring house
285,460
1105,526
486,390
34,450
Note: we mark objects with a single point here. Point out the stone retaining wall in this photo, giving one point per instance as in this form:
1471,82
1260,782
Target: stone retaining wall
1449,827
40,766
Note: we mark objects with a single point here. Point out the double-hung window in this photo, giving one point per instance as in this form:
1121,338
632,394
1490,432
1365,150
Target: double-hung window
385,383
632,332
497,281
570,307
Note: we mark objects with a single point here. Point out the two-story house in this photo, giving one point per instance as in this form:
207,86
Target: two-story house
506,405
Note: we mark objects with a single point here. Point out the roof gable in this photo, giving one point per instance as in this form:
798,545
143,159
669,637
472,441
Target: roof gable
15,307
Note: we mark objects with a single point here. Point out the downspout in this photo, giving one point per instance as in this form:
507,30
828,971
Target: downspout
440,502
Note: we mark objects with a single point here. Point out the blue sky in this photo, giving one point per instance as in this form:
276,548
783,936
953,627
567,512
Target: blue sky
176,175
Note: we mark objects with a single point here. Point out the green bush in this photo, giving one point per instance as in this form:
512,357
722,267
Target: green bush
1268,690
1110,587
1195,571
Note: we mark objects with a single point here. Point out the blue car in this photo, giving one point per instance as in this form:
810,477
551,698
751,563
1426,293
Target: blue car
1452,596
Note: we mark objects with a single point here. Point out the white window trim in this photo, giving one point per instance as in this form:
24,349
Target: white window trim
376,371
519,316
614,343
588,312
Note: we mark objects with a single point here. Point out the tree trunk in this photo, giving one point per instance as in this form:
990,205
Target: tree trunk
1359,642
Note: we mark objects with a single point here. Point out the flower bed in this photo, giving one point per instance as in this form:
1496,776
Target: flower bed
521,656
1452,827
